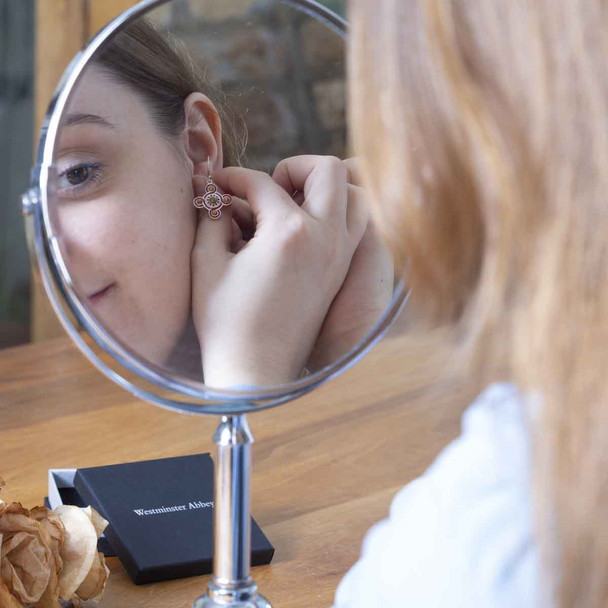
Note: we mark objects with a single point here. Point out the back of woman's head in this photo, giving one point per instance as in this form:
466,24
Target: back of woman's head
483,132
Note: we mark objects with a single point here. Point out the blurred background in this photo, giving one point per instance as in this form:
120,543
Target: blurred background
38,38
16,148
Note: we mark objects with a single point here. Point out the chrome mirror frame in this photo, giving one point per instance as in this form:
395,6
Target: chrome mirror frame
231,585
184,395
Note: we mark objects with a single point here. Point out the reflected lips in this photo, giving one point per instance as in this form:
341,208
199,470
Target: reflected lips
98,295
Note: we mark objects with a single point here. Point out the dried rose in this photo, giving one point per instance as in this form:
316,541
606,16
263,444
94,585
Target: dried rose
48,555
26,557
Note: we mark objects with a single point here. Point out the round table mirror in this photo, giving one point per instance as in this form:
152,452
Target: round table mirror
199,227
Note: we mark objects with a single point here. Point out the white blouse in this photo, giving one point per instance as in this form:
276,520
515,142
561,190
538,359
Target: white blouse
460,535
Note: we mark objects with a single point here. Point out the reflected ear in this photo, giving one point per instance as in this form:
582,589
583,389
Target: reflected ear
203,133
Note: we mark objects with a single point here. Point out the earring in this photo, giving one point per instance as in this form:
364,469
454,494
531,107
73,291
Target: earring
212,200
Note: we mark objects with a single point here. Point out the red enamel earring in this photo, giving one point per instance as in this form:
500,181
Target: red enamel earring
212,200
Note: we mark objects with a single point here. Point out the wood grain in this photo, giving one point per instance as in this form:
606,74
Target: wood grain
325,466
102,12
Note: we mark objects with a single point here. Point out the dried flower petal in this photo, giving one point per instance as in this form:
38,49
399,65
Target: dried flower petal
51,522
93,585
7,599
78,549
25,566
50,598
14,517
99,523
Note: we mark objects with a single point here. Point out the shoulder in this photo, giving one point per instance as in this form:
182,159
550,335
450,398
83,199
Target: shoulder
460,535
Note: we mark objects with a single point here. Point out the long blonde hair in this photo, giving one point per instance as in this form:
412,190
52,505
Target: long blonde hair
483,133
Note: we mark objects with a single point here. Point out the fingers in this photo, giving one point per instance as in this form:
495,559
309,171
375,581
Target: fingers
287,178
293,174
321,178
357,214
237,236
352,166
243,216
262,194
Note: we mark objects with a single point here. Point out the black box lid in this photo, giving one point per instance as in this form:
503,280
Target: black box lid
160,515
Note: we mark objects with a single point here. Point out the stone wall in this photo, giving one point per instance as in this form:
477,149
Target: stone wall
280,71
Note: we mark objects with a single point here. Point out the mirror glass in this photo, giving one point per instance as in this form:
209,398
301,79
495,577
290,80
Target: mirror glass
291,275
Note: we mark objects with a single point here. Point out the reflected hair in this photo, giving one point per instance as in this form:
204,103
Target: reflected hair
482,129
160,70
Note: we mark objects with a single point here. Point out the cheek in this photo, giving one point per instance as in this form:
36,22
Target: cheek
164,218
96,234
129,230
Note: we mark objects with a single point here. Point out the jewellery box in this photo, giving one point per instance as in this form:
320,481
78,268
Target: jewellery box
160,514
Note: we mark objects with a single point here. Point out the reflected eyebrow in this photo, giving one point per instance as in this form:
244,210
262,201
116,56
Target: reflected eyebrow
79,118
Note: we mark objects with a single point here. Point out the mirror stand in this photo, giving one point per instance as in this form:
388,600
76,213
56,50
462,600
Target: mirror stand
231,585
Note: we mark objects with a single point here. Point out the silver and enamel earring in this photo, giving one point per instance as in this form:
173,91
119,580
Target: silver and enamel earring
212,200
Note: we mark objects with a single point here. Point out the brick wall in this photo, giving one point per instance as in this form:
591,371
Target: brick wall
282,73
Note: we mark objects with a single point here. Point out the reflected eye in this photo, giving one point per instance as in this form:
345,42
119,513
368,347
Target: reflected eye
79,177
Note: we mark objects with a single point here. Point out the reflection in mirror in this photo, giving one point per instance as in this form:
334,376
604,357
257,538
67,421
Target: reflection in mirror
246,97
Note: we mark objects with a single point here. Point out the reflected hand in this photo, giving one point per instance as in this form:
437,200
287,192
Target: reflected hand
367,290
258,311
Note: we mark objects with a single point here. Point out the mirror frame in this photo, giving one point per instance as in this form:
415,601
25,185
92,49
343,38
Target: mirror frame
151,382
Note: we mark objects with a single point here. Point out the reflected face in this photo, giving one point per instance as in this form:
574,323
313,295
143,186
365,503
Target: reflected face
125,215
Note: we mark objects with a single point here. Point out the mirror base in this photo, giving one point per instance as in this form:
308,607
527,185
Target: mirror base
255,602
243,597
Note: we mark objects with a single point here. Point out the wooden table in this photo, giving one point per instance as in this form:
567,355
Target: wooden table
325,467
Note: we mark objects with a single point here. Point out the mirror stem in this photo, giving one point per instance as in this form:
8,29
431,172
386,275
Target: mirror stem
231,584
232,556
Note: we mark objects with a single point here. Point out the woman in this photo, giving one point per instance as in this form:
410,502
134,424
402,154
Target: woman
483,134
